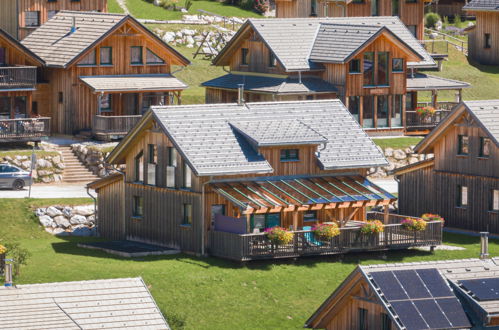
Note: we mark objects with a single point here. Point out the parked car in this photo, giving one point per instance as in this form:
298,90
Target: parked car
14,177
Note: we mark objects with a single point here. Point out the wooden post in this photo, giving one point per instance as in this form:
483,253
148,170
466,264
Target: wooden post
434,97
248,223
386,215
295,220
99,97
179,97
460,95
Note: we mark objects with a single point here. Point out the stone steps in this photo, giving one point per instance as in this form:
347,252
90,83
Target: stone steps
75,171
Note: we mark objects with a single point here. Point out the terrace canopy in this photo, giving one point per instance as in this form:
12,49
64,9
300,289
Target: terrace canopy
262,195
133,83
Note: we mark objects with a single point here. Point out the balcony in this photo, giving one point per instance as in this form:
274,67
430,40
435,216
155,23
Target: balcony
113,127
28,129
17,78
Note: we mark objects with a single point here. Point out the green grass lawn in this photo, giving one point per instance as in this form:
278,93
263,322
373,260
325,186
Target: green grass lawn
113,7
143,9
204,293
397,143
27,152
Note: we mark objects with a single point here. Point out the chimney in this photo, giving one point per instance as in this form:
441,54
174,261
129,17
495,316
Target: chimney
240,94
484,245
8,273
73,25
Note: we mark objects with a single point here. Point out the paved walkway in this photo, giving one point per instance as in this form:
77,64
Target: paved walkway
49,191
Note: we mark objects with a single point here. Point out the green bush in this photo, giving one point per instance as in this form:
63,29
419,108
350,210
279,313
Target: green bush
247,4
431,19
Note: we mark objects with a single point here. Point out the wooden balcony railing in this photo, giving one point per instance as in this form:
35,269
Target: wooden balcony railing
416,121
24,129
17,77
448,106
117,126
244,247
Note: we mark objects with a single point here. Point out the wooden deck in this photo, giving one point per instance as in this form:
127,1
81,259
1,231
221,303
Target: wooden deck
245,247
113,127
27,129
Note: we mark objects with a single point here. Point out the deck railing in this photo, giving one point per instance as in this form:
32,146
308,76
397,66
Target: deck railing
114,125
415,120
244,247
17,77
24,129
446,105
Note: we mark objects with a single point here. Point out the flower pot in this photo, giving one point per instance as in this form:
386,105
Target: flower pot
2,263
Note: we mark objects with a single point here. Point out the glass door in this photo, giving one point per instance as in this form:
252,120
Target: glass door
263,221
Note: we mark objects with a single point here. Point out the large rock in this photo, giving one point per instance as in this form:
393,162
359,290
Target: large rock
45,221
413,160
399,154
84,210
62,222
67,211
78,220
389,152
53,212
40,211
43,163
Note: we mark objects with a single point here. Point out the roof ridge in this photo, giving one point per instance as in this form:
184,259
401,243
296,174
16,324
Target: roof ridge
88,12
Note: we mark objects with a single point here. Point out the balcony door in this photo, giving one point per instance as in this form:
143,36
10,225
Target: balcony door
130,104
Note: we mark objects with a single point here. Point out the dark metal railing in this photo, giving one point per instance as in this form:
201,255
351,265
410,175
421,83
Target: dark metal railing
243,247
12,129
415,120
114,125
17,77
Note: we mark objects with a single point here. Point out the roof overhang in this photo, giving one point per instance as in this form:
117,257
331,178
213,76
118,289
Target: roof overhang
102,182
424,82
133,83
413,167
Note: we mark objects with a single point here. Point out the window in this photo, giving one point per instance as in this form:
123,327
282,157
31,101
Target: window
244,56
398,65
413,29
105,103
170,169
138,206
386,323
60,97
152,161
494,205
106,56
310,216
374,8
262,221
187,215
383,77
51,13
3,56
486,43
272,60
358,1
152,58
313,8
354,66
31,18
382,119
20,107
409,101
354,106
362,319
463,145
395,8
484,147
368,111
216,209
89,59
187,176
368,69
139,167
136,55
289,154
462,196
397,110
411,1
4,107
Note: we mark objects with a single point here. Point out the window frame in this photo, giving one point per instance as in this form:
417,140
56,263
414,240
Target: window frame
272,60
316,218
94,52
161,61
187,177
284,155
313,8
481,153
494,204
187,215
110,103
139,167
38,22
350,103
53,12
461,203
386,322
460,144
372,78
387,70
350,65
141,55
138,207
362,315
110,56
393,65
487,41
244,56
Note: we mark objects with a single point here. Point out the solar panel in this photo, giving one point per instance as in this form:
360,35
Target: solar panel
412,284
454,312
409,316
484,288
389,285
432,314
435,283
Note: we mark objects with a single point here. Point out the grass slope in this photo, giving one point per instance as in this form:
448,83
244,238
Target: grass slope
113,7
204,293
397,143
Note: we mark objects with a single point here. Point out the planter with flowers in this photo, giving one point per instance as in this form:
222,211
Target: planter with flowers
3,252
325,232
426,113
279,236
432,217
370,232
414,225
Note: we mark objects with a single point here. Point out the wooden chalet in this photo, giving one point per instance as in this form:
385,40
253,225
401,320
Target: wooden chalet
449,8
483,37
211,178
104,71
21,17
20,90
446,294
461,182
410,12
369,63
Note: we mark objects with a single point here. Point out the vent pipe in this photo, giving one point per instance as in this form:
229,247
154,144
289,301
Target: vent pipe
240,94
484,245
8,273
73,24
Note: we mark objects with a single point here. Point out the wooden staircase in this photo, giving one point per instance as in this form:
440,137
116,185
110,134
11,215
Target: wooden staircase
74,171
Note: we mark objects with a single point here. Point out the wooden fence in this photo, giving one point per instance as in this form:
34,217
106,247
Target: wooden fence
119,126
256,246
17,77
27,129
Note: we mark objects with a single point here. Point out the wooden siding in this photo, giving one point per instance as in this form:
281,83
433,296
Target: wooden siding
8,17
16,56
111,211
258,57
215,95
486,22
44,6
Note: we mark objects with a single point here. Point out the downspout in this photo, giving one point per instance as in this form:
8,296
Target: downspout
203,215
95,206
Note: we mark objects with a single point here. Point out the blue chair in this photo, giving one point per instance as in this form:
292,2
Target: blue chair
310,237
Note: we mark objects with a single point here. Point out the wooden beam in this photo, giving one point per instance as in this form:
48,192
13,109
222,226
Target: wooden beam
386,214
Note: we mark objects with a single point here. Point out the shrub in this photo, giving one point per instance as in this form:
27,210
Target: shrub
326,231
188,4
261,6
414,224
18,254
3,249
432,217
372,227
431,19
247,4
279,235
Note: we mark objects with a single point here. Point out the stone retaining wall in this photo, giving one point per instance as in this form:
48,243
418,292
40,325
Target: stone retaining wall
397,158
68,220
48,168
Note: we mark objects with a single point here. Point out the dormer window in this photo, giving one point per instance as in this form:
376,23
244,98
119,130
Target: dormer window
289,155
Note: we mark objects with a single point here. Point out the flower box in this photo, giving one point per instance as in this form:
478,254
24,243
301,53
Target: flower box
279,236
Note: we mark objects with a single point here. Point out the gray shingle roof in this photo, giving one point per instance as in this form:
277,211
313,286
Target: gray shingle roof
123,83
292,39
54,43
277,132
203,134
265,84
100,304
487,113
421,82
482,5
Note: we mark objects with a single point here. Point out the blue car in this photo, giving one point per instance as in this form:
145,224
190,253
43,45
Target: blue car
14,177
